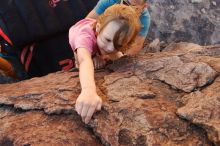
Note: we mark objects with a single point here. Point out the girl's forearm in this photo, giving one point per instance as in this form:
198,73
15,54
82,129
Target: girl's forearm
86,75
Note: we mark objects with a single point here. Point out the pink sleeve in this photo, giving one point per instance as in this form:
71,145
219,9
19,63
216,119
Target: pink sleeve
83,39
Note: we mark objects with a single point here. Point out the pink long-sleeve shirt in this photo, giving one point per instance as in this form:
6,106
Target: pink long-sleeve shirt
82,35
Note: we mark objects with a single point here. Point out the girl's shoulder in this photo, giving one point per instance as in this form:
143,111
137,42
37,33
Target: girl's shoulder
83,27
85,23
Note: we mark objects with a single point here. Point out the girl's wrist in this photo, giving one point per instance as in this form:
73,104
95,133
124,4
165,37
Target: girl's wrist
89,89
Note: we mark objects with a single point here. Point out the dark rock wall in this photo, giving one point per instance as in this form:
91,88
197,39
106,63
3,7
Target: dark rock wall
195,21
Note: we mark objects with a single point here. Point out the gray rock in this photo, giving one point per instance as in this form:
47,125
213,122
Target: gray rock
196,21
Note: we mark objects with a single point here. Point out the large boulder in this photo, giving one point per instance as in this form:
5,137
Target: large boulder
167,98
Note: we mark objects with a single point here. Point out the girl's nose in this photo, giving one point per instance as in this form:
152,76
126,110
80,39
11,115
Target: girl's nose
110,48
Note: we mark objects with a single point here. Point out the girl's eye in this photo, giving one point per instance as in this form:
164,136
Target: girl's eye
108,40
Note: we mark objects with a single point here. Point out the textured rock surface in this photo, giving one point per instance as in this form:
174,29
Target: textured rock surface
203,108
141,98
195,21
53,94
138,118
34,128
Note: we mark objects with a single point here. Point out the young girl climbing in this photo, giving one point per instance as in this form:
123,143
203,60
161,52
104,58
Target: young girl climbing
114,30
144,19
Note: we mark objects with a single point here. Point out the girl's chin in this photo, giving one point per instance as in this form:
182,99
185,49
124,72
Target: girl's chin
103,52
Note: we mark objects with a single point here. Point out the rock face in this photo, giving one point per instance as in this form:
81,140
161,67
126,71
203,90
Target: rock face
195,21
37,129
169,98
203,108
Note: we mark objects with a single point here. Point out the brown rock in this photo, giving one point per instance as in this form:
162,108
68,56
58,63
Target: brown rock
37,129
53,93
171,68
154,46
140,94
203,109
128,120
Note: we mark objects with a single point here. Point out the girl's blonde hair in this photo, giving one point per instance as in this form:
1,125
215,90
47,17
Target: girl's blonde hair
128,19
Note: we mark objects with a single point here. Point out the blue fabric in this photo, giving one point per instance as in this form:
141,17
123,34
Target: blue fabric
144,18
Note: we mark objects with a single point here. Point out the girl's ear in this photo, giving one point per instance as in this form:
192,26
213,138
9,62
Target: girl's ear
97,28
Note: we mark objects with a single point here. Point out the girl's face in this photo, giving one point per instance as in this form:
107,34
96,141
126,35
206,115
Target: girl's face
136,2
106,36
